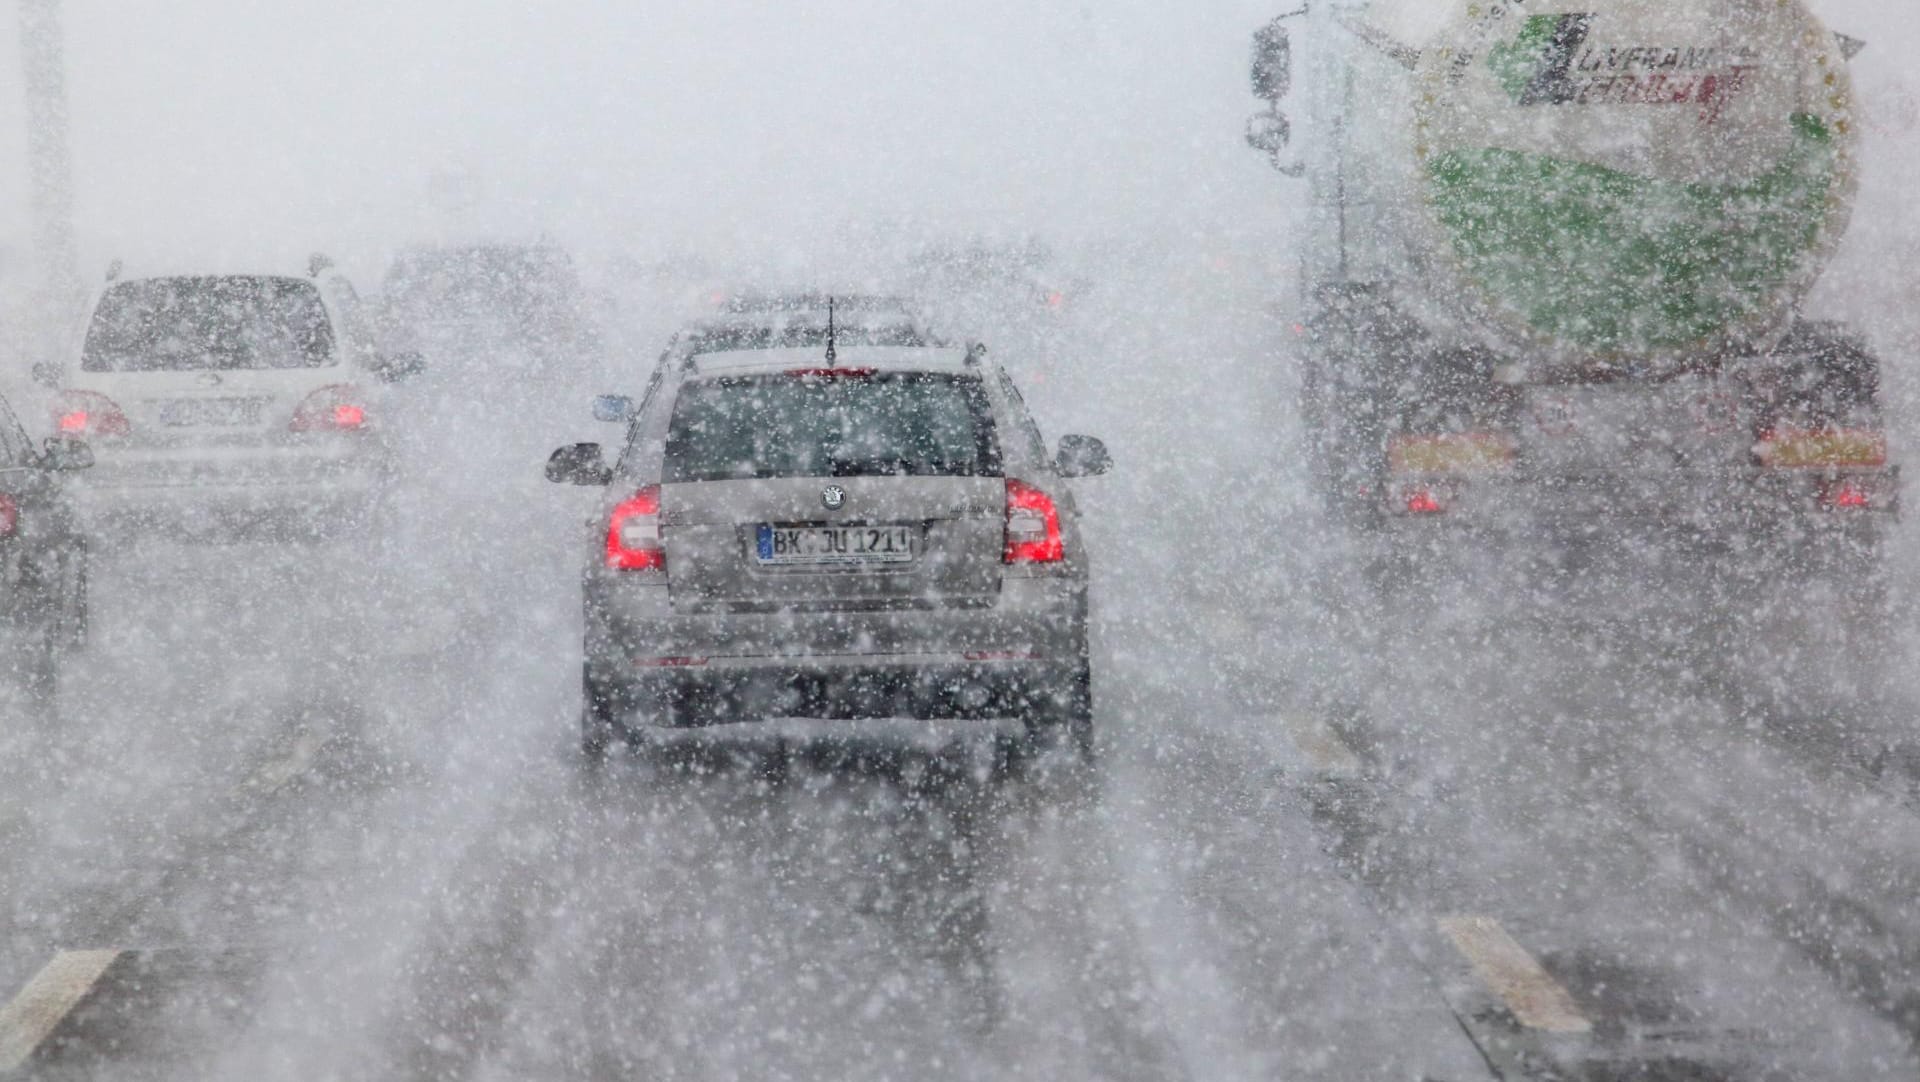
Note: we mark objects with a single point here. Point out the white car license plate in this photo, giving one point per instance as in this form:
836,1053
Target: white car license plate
774,544
182,412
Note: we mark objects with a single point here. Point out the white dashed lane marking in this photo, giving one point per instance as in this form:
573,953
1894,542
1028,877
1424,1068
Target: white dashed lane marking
38,1009
1529,991
1321,746
276,774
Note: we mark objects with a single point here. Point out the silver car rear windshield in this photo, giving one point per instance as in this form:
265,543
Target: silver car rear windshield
831,423
193,324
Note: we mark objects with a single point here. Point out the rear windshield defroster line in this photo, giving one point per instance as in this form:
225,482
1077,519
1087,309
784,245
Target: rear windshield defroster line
909,424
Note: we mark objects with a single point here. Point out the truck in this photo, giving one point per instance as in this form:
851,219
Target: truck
1553,264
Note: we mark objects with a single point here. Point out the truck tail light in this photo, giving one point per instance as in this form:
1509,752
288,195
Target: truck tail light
1033,526
9,516
633,533
88,415
338,407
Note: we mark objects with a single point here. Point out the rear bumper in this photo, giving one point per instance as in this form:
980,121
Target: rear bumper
884,735
157,485
666,668
1737,509
1685,547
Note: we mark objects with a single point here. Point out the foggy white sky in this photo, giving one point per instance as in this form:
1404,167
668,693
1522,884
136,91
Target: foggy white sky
232,127
231,130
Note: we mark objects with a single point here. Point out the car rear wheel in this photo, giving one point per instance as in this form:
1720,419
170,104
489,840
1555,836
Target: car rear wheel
596,719
36,668
1063,716
75,630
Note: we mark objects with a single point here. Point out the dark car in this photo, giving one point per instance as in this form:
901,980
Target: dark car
457,300
43,560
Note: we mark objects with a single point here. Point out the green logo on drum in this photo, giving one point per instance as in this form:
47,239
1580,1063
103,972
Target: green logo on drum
1536,68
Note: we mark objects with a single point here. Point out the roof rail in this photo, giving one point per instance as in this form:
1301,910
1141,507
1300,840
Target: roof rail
318,264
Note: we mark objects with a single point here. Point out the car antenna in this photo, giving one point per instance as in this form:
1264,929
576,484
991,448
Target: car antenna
831,353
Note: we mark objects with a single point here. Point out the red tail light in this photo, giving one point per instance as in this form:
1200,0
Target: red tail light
88,414
633,534
9,515
1422,501
1033,526
1851,494
338,407
831,373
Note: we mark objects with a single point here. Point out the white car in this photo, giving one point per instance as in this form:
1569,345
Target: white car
229,400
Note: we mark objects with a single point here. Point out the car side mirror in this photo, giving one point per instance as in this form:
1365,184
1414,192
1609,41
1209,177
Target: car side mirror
1081,456
63,453
579,464
612,408
48,374
395,367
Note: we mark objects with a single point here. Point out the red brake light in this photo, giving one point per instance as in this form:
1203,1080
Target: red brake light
9,515
1850,496
1846,494
338,407
88,413
831,373
633,533
1421,501
1033,526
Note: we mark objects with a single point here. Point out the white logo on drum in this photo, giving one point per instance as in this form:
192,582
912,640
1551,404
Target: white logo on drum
833,496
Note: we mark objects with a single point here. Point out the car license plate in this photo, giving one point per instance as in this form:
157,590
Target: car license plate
184,412
774,544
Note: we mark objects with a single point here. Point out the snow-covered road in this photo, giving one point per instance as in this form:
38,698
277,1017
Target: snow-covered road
312,813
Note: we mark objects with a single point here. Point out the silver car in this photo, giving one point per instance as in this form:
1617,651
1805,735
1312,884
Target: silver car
798,533
229,398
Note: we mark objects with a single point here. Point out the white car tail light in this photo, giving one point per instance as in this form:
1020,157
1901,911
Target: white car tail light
338,407
88,415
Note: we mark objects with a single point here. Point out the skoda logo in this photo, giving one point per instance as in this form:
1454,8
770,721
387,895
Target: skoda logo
209,379
833,496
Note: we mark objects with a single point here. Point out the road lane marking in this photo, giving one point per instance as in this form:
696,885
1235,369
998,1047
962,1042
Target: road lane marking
1534,997
277,773
46,999
1325,751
